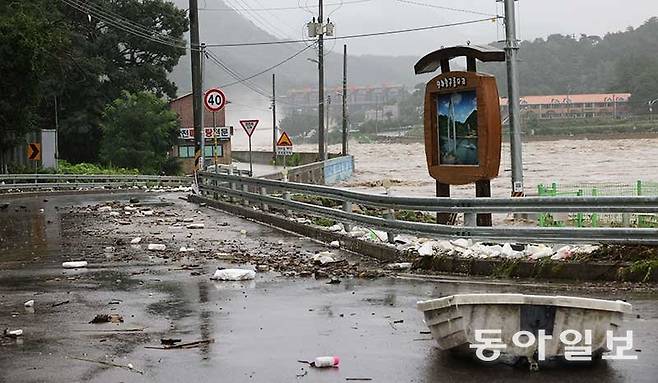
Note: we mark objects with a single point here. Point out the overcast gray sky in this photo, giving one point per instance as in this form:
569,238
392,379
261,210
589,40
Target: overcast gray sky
538,18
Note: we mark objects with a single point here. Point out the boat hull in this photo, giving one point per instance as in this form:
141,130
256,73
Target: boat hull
454,320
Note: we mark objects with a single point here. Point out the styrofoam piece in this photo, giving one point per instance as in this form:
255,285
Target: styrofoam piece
74,264
233,275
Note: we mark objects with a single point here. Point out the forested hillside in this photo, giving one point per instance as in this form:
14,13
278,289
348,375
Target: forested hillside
617,62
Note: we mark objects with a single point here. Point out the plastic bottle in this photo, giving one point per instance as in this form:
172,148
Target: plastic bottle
325,361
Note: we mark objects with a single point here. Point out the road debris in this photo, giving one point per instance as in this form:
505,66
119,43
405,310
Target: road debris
136,240
13,333
157,247
74,264
107,318
29,303
188,345
325,361
233,275
128,367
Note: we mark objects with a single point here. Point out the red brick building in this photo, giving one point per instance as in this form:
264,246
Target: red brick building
184,148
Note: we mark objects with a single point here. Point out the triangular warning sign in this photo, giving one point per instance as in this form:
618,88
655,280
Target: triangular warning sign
284,140
249,126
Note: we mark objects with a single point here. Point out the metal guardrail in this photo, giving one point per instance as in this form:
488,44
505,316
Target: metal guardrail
257,190
25,182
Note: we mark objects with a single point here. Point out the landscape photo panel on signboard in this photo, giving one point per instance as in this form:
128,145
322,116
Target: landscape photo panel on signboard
457,125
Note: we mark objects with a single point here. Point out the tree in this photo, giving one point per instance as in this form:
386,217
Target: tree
110,53
28,43
300,124
138,131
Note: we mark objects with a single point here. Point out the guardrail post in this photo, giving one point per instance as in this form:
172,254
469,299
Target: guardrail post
390,213
263,205
579,215
347,207
245,188
286,196
595,216
233,186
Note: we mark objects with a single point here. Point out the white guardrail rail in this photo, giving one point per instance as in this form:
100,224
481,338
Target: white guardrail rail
271,193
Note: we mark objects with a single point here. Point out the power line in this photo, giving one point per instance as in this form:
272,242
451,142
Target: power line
273,66
121,23
447,8
383,33
277,8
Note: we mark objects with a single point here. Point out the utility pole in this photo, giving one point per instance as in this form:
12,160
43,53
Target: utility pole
328,117
344,151
322,143
197,102
273,117
511,50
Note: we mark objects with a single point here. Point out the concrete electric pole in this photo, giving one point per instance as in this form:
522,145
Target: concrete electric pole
197,102
511,50
274,138
322,143
344,151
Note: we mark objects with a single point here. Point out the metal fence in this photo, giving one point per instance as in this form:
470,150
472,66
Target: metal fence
268,194
581,219
30,182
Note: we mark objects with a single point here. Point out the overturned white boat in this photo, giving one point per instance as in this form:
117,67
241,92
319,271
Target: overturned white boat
513,327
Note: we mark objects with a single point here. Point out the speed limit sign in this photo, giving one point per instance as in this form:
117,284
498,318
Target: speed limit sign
214,100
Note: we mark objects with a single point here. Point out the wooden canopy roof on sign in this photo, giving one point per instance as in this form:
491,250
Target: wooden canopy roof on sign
432,61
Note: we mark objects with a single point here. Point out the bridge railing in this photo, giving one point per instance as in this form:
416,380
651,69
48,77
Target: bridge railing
278,194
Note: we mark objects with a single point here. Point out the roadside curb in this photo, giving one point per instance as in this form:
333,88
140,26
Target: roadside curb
544,269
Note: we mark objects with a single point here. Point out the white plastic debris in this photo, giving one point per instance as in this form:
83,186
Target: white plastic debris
508,252
157,247
105,208
426,248
335,228
29,303
243,232
147,212
233,275
335,244
74,264
184,249
136,240
14,333
41,210
463,243
562,253
538,252
399,266
324,257
196,226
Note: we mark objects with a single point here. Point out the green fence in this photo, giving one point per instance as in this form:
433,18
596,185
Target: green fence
639,188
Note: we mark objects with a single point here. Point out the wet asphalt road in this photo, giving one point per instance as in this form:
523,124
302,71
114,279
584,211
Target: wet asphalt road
261,328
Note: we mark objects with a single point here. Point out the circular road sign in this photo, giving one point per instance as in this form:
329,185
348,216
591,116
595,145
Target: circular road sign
214,100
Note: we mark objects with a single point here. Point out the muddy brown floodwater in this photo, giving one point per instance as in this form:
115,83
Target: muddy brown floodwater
568,161
260,327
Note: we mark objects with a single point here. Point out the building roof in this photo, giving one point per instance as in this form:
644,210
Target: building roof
572,98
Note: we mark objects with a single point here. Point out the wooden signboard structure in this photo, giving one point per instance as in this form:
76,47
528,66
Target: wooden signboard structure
462,123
